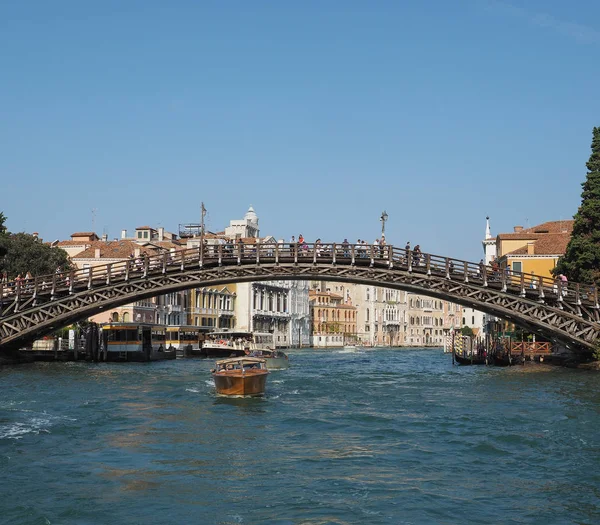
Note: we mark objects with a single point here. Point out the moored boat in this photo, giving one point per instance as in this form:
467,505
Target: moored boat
240,376
133,342
508,360
470,360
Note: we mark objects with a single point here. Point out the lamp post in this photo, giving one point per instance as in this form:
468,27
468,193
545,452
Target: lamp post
383,218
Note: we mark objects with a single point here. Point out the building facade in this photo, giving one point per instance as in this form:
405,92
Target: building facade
534,250
333,319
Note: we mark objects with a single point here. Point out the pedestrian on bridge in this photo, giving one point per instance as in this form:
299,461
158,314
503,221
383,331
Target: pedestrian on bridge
533,282
417,255
346,248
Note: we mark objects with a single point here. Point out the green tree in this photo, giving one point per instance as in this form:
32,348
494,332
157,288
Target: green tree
467,330
25,253
581,261
2,236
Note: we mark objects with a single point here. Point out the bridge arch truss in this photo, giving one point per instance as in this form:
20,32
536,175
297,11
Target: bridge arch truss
570,315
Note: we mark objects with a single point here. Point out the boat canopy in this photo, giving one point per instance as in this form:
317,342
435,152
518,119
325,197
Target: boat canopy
228,334
232,360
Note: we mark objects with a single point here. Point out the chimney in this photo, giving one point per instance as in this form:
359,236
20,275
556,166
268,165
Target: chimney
35,235
518,229
137,252
97,253
161,234
105,237
531,248
123,234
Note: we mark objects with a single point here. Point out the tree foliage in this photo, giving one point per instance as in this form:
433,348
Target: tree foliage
581,261
2,235
467,330
21,253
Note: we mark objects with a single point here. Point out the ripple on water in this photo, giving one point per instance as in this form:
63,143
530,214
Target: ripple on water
339,438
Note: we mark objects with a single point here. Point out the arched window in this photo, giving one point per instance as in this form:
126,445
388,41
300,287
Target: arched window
126,317
115,317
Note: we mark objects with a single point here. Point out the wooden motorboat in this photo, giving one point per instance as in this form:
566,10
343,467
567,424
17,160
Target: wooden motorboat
470,360
240,376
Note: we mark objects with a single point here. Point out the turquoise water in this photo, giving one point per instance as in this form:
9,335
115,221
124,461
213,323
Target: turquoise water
379,436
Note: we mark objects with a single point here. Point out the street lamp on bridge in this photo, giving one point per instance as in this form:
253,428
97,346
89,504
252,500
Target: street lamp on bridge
383,218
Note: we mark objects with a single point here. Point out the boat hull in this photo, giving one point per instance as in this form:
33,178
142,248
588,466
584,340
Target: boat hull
277,363
236,383
468,361
222,353
506,360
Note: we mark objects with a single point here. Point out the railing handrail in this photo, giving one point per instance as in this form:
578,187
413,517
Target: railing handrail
455,269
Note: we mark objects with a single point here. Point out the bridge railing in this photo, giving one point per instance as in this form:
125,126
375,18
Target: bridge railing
516,283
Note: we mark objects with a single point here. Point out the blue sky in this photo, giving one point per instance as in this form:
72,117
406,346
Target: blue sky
320,114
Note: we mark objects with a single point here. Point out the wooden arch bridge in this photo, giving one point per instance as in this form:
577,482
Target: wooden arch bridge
36,307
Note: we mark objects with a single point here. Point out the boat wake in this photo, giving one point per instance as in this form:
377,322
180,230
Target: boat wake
35,425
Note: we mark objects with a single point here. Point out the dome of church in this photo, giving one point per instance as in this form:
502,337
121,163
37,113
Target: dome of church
251,215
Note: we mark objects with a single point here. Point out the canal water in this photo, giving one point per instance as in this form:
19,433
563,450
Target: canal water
364,437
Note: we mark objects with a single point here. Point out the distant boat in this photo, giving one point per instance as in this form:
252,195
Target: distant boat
263,346
226,343
240,376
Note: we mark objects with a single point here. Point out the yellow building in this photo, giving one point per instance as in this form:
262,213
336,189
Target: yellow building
534,250
212,308
331,316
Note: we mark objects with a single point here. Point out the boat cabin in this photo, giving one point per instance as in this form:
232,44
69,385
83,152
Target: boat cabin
240,364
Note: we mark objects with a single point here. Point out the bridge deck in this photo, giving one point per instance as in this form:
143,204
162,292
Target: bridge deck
576,303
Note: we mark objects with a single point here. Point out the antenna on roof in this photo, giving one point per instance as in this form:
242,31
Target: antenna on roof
94,210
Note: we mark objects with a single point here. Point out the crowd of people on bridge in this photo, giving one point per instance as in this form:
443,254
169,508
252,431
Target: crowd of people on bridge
410,256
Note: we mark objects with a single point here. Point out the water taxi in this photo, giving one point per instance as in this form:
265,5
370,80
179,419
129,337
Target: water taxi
240,376
263,346
226,343
186,340
134,342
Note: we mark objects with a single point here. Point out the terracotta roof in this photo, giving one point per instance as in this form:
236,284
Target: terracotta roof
547,244
73,243
541,229
329,294
144,228
162,244
83,234
114,250
175,243
519,235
